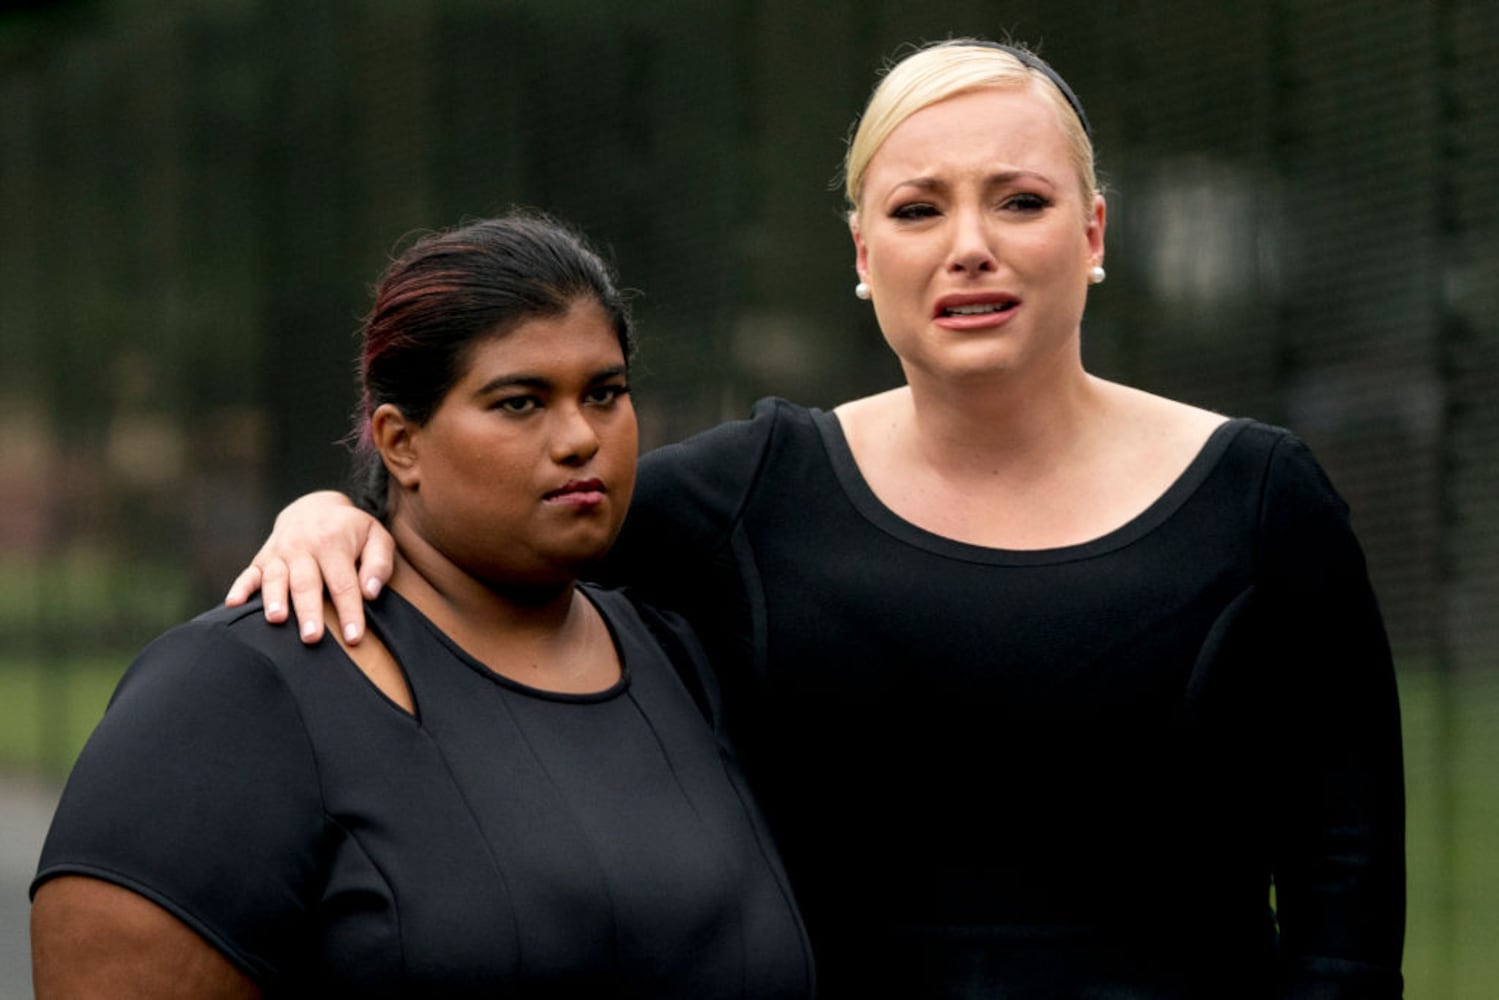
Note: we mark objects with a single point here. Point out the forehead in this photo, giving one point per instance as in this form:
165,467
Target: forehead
583,336
994,128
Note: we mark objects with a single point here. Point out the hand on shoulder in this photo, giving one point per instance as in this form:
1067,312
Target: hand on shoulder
320,541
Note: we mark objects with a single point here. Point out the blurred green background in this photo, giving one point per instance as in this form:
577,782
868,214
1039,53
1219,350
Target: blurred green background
197,194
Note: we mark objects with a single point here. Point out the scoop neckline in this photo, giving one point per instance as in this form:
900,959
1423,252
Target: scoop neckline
859,493
619,687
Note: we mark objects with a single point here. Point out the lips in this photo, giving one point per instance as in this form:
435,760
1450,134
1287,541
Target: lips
578,489
971,304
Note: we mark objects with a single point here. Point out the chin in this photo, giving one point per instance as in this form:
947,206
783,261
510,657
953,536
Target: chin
965,373
976,363
573,561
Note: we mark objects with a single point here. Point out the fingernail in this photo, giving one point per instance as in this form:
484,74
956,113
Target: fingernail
273,608
351,632
372,586
308,629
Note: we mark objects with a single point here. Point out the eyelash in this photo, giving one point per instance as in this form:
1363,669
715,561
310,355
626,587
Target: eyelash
611,393
1026,203
517,405
1032,202
600,395
913,211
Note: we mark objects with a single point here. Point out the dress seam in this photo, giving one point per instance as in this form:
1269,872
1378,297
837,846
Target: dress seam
752,484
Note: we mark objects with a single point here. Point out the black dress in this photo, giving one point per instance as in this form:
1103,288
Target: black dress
505,841
1062,773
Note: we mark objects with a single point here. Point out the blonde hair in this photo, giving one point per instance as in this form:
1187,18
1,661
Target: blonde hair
945,69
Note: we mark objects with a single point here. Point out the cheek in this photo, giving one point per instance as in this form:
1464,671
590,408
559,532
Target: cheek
487,467
899,278
895,261
623,437
467,466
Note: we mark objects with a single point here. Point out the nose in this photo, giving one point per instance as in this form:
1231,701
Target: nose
972,247
574,440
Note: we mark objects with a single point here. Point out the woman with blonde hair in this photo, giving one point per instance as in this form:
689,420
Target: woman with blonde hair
1043,681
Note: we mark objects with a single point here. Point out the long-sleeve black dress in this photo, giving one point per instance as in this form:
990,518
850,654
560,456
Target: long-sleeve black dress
1064,773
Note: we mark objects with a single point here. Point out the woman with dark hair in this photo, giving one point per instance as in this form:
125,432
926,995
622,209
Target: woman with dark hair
1044,681
514,786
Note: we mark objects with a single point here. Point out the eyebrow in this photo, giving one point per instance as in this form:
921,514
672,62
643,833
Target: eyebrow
1002,177
522,380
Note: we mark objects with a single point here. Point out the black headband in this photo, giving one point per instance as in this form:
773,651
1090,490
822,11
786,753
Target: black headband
1035,62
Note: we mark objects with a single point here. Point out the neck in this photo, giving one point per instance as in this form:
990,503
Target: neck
991,426
545,635
478,613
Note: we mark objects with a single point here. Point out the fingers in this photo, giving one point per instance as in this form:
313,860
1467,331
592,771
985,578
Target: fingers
267,575
306,582
243,587
302,579
273,573
348,602
315,542
377,559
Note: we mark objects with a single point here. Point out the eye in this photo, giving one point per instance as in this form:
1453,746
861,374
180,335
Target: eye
913,211
605,395
1026,202
517,405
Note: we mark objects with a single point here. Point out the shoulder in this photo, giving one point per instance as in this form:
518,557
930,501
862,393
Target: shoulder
629,614
871,418
204,706
222,653
1286,474
698,484
1302,527
1269,453
1281,463
1301,511
873,407
735,443
1147,421
207,689
213,639
203,754
666,633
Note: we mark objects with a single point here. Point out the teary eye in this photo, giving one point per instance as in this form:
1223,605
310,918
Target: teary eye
913,211
1027,202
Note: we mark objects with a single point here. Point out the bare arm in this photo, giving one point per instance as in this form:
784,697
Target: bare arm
317,541
91,938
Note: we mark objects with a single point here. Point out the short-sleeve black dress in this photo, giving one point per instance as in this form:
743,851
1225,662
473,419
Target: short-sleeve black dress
1064,773
504,841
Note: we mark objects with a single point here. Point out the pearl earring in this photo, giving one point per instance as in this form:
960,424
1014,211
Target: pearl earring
1096,274
861,291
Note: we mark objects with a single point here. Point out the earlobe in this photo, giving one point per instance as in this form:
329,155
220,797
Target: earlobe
861,255
1097,221
395,438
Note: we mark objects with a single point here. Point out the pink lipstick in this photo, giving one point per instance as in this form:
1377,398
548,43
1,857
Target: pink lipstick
974,310
577,493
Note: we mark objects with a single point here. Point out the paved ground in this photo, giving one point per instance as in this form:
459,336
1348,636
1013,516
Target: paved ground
25,810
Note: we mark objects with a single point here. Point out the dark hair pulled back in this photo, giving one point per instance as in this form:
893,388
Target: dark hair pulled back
451,289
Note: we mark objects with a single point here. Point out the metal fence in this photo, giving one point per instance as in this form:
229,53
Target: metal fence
1304,227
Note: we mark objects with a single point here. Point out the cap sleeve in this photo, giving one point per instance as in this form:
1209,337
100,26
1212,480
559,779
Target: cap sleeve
198,790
